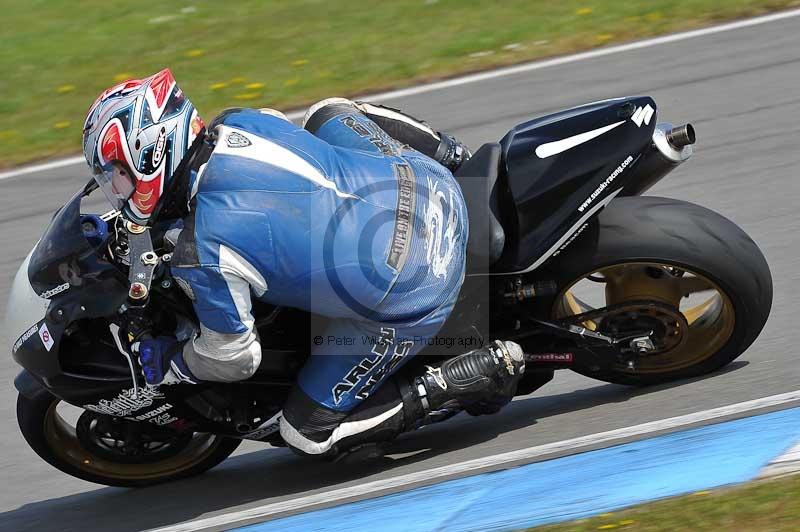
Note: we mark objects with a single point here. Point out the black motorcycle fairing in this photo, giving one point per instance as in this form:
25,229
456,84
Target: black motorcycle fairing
548,196
27,385
77,279
63,259
478,179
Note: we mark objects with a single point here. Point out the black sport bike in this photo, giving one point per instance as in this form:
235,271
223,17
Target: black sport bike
566,257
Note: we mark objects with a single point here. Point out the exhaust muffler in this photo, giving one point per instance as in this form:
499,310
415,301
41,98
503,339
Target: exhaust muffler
671,146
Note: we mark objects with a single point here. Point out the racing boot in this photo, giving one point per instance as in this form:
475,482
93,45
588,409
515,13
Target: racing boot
480,382
442,147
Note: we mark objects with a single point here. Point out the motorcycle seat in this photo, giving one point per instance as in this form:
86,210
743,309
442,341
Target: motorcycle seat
478,179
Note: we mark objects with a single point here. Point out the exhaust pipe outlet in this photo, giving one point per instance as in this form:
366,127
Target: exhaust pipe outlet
681,136
670,147
674,143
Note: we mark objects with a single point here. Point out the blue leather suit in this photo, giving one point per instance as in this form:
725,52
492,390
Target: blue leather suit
345,223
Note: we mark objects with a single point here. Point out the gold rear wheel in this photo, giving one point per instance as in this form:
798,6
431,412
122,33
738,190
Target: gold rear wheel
690,317
685,275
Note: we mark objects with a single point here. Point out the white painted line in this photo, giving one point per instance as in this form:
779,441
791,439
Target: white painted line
792,455
788,462
529,454
43,167
582,56
500,72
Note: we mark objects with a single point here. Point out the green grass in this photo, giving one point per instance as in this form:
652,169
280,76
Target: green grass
772,505
56,56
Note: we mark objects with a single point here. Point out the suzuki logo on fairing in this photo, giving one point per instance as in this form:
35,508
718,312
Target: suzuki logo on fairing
549,149
643,114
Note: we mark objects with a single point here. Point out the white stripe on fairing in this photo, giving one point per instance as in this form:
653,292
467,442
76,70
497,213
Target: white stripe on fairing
497,73
462,468
548,149
268,152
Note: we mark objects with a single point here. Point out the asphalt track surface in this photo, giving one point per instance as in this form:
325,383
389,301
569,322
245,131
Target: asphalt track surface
739,89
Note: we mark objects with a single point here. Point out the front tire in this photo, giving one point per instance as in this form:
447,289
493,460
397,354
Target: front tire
675,236
56,442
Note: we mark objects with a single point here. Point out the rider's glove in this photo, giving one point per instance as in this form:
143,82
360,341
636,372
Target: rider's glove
162,361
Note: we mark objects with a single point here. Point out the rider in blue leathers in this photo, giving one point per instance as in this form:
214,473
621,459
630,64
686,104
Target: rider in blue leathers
354,217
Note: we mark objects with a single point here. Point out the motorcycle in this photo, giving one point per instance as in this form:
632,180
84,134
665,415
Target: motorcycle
565,257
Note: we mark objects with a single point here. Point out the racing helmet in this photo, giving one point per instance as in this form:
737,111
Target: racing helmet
135,135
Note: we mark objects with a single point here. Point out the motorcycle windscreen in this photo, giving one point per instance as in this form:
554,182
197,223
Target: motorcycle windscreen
64,260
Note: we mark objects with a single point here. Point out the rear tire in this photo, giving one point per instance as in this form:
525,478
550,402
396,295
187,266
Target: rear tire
687,236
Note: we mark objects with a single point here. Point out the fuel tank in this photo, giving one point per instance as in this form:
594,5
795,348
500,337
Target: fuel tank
562,168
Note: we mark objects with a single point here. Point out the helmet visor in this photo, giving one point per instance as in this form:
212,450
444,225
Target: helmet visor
116,182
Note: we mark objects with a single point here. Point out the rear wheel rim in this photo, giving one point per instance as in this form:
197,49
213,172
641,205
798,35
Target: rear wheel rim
708,317
63,440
